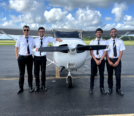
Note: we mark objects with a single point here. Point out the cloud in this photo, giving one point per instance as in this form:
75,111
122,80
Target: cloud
83,18
108,18
16,19
109,26
128,20
4,19
118,10
3,4
32,10
23,5
55,14
88,17
73,4
9,24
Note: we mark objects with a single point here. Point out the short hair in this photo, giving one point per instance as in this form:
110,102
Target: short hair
26,26
113,29
99,29
41,28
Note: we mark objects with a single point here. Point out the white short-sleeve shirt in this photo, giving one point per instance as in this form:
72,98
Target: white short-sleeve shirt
45,41
119,47
101,52
21,43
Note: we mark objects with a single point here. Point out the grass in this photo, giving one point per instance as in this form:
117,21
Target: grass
8,42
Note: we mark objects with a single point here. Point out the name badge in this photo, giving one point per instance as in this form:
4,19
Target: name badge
26,52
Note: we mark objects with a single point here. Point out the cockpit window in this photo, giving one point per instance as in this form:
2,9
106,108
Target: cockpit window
74,34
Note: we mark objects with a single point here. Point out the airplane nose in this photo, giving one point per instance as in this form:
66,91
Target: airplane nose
72,48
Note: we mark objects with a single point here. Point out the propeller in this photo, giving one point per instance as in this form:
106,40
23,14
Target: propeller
54,49
91,47
66,48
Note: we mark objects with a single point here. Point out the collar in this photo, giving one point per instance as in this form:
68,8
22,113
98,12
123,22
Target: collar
42,38
25,37
97,39
114,39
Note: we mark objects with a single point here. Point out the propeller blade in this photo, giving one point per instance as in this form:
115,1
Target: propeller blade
91,47
54,49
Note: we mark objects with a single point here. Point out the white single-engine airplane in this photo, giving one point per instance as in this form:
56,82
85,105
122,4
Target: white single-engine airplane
71,53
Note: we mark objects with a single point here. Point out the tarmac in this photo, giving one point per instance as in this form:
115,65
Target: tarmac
60,100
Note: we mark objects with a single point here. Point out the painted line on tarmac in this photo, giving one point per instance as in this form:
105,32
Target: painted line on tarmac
113,115
58,77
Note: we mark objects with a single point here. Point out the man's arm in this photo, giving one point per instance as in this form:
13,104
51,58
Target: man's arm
104,54
109,60
16,52
97,61
58,39
119,58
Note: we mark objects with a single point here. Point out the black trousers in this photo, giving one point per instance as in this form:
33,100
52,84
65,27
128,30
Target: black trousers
93,72
22,61
40,62
117,74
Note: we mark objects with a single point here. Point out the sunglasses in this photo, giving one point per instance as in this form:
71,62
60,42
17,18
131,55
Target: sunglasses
26,30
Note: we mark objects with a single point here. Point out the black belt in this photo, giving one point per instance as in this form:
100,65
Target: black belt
25,55
40,56
113,58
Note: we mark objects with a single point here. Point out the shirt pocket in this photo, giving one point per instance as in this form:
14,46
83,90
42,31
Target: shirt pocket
45,44
30,43
23,43
118,44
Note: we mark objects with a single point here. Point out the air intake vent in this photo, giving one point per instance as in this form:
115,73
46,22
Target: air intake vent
64,45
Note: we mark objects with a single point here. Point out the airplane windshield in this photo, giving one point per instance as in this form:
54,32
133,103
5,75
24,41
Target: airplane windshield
74,34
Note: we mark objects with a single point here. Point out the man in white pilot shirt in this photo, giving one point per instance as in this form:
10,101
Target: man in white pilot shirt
98,61
40,58
24,46
116,47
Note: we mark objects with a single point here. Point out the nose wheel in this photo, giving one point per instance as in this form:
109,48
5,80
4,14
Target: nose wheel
69,80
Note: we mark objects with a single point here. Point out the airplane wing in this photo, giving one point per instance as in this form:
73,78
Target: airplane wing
107,32
18,31
83,33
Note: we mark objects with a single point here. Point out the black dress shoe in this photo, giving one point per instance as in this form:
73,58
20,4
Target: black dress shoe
91,91
20,90
36,89
110,91
102,90
44,88
119,92
31,89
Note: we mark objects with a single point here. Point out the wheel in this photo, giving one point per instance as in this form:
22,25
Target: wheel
69,82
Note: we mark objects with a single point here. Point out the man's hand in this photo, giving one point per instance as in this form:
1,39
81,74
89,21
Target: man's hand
116,64
98,62
58,39
37,49
16,52
110,63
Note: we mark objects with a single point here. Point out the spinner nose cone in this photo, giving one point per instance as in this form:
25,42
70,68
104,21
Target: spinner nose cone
72,48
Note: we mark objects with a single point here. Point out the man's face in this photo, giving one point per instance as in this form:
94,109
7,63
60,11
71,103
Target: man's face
26,31
113,33
41,32
99,34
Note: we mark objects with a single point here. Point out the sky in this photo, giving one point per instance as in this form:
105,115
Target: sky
75,14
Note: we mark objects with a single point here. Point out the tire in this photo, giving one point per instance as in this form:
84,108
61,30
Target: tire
69,82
